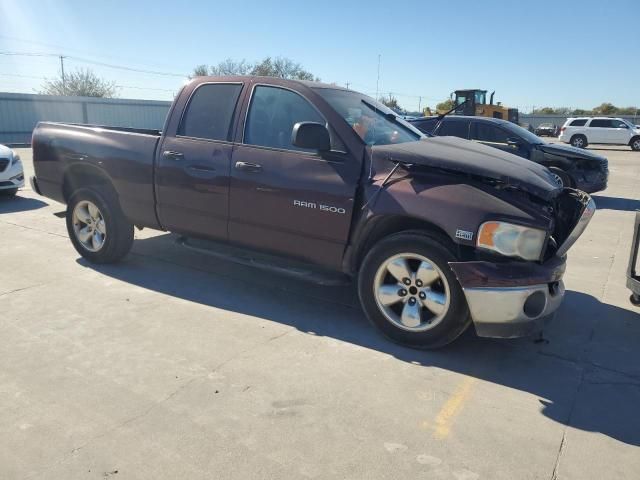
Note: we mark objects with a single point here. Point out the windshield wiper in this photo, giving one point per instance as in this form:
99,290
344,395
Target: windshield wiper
442,115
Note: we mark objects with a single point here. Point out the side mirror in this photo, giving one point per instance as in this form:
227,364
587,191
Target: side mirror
514,142
311,135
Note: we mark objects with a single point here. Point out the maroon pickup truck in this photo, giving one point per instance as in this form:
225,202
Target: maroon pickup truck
312,179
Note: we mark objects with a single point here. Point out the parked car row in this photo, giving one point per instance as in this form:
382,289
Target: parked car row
571,167
439,233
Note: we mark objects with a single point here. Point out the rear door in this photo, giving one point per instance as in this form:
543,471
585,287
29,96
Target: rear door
494,136
285,199
454,127
192,175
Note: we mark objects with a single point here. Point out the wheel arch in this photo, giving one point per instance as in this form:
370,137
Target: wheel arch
83,176
382,226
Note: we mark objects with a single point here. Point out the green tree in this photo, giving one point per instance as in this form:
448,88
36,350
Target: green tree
544,111
445,106
80,83
605,109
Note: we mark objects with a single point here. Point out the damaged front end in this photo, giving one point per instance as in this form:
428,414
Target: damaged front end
513,298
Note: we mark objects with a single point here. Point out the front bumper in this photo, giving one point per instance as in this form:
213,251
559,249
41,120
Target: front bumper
511,299
12,177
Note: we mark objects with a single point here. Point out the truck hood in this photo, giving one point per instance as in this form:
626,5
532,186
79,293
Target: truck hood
571,152
466,157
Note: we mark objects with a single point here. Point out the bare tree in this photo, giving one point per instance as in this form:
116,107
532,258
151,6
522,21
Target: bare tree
269,67
391,102
81,83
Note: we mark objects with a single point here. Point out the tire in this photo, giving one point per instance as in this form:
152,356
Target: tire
9,192
563,179
427,329
579,141
635,144
109,224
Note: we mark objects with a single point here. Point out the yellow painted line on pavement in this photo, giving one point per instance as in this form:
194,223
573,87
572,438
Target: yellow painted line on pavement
452,407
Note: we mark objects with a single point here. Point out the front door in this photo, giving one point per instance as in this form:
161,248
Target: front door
192,175
285,199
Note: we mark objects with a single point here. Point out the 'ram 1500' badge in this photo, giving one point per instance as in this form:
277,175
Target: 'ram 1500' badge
319,206
464,235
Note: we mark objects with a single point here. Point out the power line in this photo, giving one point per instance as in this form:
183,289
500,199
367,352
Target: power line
93,62
135,87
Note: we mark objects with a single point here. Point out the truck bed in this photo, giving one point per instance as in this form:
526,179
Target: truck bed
62,152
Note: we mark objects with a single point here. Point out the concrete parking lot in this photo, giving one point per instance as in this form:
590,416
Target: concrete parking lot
171,365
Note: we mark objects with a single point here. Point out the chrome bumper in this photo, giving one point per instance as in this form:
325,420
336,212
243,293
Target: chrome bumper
509,312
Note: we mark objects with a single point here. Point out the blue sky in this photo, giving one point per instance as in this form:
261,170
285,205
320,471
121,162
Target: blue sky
533,53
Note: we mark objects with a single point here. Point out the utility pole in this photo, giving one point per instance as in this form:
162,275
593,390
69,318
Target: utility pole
419,103
64,83
347,85
378,78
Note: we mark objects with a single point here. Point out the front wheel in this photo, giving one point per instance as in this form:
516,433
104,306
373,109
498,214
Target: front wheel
98,229
409,292
561,177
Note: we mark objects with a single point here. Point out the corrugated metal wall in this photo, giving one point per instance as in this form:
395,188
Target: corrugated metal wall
20,112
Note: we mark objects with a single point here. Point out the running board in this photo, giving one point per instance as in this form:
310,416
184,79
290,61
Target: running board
264,261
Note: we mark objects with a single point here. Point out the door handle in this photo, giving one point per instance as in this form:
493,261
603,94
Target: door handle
248,167
170,155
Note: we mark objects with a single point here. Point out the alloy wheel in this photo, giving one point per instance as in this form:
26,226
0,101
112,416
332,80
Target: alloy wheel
89,226
411,292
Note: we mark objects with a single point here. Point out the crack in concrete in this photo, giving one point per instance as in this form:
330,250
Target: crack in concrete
22,289
34,229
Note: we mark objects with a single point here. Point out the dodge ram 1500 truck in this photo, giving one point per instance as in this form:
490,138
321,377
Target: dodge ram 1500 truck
306,177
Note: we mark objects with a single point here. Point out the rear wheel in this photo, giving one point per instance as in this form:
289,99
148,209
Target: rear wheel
561,177
410,293
579,141
98,229
635,144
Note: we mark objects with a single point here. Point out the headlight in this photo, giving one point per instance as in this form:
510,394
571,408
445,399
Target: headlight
16,158
512,240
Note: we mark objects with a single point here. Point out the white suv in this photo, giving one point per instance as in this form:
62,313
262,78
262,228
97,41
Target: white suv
580,132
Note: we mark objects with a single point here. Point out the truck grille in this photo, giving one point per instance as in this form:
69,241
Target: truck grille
4,163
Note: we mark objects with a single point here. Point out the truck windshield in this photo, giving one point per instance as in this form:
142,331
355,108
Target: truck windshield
372,121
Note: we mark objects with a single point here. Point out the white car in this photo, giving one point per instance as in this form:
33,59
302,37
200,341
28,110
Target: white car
11,173
582,131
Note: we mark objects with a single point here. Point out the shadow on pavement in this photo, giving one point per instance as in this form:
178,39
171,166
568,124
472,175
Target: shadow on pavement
9,204
616,203
573,390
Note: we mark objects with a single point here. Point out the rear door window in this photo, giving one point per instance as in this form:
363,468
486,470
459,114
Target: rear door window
210,111
601,123
578,123
454,128
273,113
485,132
